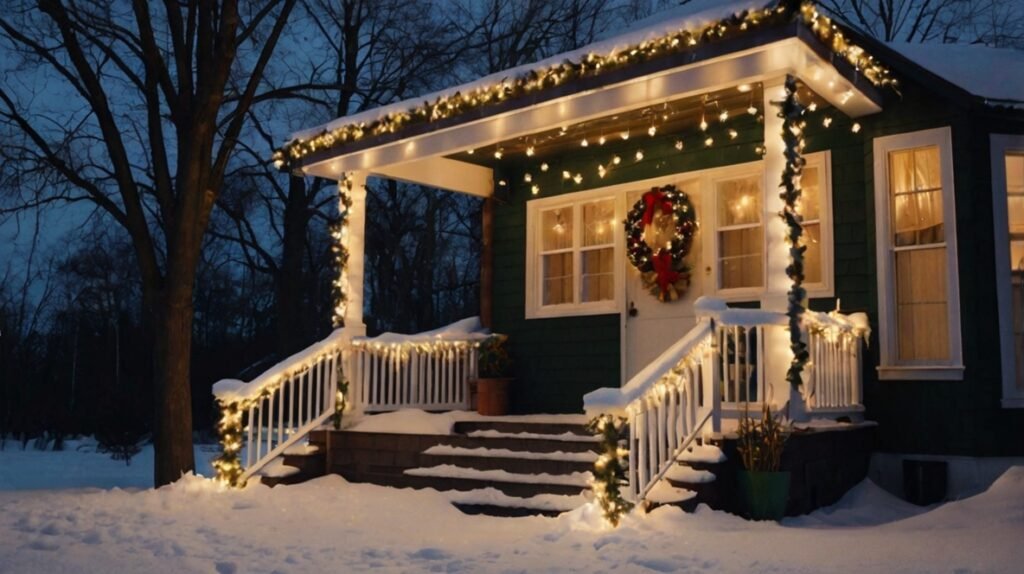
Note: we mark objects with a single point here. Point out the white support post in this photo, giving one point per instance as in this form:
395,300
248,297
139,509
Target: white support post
778,355
356,254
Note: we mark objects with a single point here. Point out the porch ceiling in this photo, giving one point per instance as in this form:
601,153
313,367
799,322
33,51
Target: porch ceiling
437,154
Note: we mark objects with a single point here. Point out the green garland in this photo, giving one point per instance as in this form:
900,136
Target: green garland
791,112
610,467
340,250
228,465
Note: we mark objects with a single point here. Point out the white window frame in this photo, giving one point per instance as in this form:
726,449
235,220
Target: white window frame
709,223
1001,145
826,287
535,309
890,368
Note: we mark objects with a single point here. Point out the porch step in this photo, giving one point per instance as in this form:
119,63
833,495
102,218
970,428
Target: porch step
517,461
696,473
493,502
518,427
446,484
298,464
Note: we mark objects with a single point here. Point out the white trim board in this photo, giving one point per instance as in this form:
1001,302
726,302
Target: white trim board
890,368
1000,146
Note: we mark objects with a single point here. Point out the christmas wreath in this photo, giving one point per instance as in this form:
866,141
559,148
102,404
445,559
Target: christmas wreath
659,233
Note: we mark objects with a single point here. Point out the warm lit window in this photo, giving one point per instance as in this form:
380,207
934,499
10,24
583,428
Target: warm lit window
1008,209
810,209
917,262
740,233
574,253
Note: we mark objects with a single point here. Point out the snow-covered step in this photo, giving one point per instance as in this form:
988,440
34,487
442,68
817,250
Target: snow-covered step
278,469
495,502
561,437
685,474
302,449
703,454
517,461
664,493
516,425
450,477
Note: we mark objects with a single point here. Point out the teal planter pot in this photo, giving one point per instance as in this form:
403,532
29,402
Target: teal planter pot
764,494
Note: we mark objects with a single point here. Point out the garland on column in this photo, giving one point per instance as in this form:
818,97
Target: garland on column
228,465
339,232
791,112
610,467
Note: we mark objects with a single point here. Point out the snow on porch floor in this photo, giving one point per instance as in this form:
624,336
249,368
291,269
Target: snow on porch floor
328,525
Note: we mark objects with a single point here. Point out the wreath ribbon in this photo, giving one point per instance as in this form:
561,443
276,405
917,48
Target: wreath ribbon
666,274
652,201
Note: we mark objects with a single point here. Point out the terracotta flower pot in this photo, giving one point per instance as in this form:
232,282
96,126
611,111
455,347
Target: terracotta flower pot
764,494
492,397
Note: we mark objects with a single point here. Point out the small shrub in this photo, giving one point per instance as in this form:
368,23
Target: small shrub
761,442
494,360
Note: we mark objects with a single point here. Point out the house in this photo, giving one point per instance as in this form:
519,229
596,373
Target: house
677,319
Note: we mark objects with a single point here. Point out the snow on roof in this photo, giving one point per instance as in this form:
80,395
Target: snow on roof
686,17
990,73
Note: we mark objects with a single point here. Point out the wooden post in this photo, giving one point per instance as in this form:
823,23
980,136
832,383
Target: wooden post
487,263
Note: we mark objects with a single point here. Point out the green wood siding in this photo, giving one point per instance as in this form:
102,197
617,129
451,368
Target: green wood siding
558,360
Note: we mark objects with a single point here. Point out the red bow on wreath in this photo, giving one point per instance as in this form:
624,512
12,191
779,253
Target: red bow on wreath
652,200
667,275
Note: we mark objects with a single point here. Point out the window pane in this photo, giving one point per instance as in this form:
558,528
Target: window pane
810,194
598,222
927,174
740,258
921,305
739,201
598,275
812,257
1017,296
556,229
557,276
901,171
1015,191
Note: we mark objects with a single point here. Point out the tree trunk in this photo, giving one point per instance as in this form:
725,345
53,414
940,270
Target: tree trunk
172,440
291,327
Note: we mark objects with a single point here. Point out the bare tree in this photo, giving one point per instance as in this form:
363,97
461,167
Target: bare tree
137,107
997,23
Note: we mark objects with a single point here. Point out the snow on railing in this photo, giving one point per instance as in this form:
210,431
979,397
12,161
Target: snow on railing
721,360
262,418
430,371
833,378
278,408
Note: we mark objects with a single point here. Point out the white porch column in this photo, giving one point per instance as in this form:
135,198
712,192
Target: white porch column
778,355
356,255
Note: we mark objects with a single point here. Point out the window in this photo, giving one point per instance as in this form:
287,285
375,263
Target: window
740,232
815,206
574,256
918,284
1008,210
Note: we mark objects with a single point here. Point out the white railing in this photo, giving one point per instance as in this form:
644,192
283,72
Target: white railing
422,371
679,396
282,405
833,379
279,408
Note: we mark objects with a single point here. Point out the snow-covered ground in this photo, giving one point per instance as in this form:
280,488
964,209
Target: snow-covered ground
328,525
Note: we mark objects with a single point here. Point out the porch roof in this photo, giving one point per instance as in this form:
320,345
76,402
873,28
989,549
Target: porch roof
425,151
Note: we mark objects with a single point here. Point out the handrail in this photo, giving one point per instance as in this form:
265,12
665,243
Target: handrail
833,377
262,418
675,398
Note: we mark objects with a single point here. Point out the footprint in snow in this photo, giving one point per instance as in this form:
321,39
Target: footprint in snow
226,567
429,554
44,545
654,564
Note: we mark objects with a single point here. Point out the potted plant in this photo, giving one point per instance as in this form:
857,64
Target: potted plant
764,488
493,376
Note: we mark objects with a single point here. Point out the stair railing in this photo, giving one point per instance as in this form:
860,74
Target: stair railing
833,379
678,397
280,407
262,418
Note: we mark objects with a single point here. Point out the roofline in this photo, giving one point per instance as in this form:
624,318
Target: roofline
701,53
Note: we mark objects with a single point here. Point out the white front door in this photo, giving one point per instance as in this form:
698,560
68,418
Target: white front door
651,326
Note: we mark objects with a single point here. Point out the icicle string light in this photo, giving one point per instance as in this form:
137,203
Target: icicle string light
587,66
339,233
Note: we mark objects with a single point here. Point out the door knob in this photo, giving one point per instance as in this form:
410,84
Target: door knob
632,309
